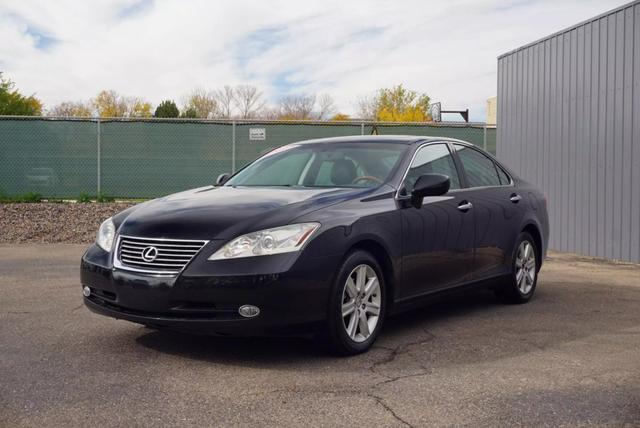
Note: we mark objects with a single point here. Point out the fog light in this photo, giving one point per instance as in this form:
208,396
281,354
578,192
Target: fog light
249,311
86,291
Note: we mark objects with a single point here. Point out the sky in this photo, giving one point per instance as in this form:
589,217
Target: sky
68,50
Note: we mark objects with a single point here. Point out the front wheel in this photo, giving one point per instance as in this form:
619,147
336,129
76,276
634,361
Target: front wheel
357,305
524,277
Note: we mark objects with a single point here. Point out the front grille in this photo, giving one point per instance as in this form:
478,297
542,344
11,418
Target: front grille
154,255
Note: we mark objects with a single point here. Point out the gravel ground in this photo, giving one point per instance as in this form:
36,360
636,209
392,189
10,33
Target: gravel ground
570,357
70,223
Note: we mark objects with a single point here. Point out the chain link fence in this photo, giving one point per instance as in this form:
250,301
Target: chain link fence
145,158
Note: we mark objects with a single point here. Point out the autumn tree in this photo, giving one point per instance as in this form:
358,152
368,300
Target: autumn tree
137,107
202,102
248,100
340,117
395,104
296,107
326,106
398,104
109,103
71,109
12,102
368,107
226,98
167,108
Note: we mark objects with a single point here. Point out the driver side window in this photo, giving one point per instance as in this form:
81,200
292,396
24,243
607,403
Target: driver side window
434,158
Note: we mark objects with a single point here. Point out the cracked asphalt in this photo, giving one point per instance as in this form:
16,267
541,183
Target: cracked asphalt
570,357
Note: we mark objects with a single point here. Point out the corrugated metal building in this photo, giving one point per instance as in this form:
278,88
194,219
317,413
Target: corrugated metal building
569,121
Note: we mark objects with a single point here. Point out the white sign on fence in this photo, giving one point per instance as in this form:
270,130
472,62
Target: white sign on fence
257,134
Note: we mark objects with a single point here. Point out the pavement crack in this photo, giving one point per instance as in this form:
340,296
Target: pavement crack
393,353
397,378
389,409
18,312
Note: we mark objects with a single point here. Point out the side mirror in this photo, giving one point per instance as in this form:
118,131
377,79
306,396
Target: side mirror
222,178
429,185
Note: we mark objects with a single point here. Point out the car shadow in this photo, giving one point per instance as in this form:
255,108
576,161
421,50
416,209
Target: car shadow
275,351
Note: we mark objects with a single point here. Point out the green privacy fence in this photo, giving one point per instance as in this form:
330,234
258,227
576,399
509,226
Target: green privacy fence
147,158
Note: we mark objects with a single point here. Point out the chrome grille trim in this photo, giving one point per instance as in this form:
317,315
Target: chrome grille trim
173,255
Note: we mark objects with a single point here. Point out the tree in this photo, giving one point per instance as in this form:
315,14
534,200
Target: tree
368,107
71,109
202,102
109,104
12,102
297,107
340,117
395,104
167,108
248,100
398,104
326,106
226,98
190,113
137,107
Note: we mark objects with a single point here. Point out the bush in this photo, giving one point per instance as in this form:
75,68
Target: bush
84,198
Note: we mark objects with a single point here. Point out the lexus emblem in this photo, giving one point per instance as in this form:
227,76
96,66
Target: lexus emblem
149,254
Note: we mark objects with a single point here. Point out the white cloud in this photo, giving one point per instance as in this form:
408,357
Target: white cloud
69,50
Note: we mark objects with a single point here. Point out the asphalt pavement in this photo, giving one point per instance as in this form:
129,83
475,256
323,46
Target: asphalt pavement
569,357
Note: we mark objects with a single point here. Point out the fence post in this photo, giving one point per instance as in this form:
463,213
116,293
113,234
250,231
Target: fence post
362,128
233,147
484,137
98,157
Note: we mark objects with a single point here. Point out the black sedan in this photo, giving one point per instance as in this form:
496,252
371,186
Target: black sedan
323,236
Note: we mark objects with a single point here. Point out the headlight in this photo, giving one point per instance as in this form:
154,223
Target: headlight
106,235
278,240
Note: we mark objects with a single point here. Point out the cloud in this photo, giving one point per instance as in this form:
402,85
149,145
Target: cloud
70,50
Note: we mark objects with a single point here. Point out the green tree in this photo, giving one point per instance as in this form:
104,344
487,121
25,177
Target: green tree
190,113
167,108
12,102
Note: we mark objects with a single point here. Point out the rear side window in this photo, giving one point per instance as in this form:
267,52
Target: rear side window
434,158
504,178
480,170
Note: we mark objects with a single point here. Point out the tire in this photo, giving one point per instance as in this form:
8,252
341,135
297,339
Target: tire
349,334
524,264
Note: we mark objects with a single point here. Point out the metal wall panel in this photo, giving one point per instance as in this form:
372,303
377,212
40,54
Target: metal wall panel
569,121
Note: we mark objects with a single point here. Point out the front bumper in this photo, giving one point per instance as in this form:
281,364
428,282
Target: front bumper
292,293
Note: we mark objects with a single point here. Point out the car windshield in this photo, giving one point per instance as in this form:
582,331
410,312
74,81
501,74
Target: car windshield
357,164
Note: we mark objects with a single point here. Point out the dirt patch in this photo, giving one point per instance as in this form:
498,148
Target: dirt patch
71,223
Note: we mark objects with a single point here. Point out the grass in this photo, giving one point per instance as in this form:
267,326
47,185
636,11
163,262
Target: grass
83,198
29,197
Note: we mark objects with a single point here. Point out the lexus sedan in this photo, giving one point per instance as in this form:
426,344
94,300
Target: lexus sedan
325,237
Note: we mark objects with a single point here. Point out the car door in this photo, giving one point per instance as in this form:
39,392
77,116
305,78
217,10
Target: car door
438,237
497,211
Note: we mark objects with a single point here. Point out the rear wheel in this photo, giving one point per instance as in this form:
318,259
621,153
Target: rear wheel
357,305
525,265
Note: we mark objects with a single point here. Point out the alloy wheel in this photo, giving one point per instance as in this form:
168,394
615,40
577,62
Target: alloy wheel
361,303
525,267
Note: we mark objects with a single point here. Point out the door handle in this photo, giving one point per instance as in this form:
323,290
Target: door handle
465,206
515,198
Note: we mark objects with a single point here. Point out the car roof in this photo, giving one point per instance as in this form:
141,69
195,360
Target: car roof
395,139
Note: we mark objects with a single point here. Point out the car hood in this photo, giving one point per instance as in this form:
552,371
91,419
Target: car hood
225,212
